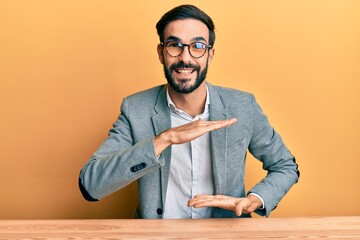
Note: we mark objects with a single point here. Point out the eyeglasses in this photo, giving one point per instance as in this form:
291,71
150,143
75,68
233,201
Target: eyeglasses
196,49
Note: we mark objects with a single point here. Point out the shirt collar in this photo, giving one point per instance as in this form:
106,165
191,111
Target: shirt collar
172,106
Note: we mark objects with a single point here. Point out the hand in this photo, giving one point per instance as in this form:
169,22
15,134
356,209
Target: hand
239,205
187,133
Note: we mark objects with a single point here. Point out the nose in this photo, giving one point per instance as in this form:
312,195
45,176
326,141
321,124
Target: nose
185,55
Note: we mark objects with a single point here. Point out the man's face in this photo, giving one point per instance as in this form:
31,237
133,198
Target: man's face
185,73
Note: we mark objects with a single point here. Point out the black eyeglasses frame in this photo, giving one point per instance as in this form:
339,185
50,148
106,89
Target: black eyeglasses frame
183,45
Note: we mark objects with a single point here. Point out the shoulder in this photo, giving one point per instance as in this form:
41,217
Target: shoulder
145,97
231,96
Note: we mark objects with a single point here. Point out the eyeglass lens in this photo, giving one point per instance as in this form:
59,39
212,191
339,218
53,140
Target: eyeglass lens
196,49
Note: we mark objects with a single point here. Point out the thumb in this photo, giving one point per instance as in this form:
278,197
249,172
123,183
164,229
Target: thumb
239,208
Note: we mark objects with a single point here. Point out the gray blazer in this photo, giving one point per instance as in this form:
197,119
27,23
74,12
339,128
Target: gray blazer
128,152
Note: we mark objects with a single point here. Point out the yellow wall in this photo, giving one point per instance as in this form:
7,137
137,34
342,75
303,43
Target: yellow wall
66,65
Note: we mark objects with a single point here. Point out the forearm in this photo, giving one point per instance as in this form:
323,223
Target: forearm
273,187
105,174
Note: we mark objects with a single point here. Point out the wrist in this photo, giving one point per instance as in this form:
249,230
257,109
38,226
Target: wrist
161,142
255,202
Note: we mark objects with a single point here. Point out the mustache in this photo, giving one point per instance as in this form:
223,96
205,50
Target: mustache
183,65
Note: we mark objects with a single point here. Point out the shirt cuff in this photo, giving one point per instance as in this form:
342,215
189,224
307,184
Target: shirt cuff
257,195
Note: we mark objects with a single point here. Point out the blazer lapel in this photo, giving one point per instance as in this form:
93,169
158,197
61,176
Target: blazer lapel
161,122
218,141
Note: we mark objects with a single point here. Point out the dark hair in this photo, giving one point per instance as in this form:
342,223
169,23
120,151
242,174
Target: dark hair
185,12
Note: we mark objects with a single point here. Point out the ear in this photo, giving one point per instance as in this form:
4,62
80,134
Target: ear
211,54
160,51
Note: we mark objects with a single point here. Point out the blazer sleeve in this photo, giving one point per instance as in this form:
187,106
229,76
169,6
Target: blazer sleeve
118,161
282,171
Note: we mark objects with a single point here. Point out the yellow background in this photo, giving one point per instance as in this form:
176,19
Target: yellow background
65,67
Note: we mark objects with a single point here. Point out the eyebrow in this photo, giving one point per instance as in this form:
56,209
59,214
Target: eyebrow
198,39
173,38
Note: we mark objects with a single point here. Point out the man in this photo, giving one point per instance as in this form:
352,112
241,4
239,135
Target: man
185,142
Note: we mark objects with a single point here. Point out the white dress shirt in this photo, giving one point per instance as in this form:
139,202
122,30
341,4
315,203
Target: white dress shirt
190,169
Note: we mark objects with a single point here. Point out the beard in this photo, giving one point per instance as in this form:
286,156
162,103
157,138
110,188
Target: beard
181,87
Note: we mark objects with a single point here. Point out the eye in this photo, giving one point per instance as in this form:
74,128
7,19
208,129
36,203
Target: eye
173,44
198,45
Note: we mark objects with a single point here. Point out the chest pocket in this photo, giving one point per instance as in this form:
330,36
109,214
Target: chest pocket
238,147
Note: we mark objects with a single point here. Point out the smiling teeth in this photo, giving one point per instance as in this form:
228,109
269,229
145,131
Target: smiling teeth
185,71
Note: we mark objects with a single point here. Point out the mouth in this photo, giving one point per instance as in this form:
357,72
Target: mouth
184,72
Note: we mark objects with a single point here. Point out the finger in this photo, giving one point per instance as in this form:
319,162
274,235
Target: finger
232,120
241,207
214,125
226,123
203,196
212,122
205,203
213,201
199,198
238,211
228,205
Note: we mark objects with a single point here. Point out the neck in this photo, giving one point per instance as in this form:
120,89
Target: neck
192,103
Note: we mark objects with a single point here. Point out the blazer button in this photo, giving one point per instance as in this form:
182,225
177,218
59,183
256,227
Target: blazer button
138,167
159,211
